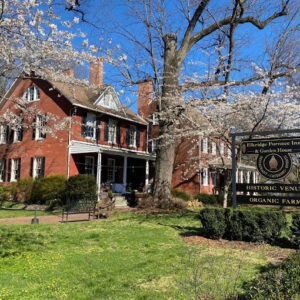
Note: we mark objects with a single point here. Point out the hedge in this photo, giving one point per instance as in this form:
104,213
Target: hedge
242,225
49,190
82,185
214,222
180,194
208,199
295,230
278,282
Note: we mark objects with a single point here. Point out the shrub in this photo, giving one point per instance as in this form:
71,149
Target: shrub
207,199
295,230
49,190
214,222
180,194
21,190
5,192
255,226
279,282
242,225
80,187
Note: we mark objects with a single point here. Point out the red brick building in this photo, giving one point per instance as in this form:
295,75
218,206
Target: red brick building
67,129
201,164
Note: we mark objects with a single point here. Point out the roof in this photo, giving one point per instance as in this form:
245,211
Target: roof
86,96
226,163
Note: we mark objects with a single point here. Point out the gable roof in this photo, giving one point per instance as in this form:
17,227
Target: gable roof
86,97
83,96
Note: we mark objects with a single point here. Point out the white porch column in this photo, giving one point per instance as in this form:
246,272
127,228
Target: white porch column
99,162
125,173
147,175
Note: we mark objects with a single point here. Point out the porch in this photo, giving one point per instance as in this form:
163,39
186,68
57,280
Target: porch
116,169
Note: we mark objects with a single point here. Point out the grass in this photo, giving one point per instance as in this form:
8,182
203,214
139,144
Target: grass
24,213
9,204
129,256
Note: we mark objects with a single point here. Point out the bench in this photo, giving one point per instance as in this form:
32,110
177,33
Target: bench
78,205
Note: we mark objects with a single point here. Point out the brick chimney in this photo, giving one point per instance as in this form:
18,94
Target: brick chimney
146,106
69,72
96,72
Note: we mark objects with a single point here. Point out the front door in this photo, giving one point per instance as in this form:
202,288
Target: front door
89,165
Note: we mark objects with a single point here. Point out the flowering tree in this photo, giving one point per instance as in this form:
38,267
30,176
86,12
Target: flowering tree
196,52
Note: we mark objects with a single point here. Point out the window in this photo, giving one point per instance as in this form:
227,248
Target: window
15,169
18,134
204,145
152,146
40,126
90,126
2,169
222,149
154,119
3,134
213,148
37,167
111,163
204,176
228,152
112,131
32,94
214,178
132,136
89,165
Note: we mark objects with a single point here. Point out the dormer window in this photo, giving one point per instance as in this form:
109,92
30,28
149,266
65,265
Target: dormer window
32,94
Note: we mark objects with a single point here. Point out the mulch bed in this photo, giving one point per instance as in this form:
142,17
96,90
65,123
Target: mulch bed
274,254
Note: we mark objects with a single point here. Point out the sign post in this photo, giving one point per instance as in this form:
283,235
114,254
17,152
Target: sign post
273,162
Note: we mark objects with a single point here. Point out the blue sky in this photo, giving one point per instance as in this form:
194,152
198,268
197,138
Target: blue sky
252,48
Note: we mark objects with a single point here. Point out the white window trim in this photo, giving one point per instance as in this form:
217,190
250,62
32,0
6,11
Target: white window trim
205,145
91,124
154,119
3,134
213,148
205,178
34,171
39,127
13,170
222,149
111,123
36,94
16,131
132,130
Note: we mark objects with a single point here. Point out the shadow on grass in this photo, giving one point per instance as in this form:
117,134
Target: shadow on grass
14,243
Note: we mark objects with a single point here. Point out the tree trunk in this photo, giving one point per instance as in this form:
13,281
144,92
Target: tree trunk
166,143
226,191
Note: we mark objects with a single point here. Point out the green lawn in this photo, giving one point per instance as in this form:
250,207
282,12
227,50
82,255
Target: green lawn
23,213
128,256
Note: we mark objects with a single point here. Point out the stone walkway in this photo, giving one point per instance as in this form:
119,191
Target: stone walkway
43,219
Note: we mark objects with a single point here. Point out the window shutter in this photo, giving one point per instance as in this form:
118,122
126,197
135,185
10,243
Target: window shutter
98,128
137,137
33,128
43,166
127,134
44,126
20,137
106,130
7,133
118,133
19,169
11,136
150,146
83,124
31,167
4,170
9,170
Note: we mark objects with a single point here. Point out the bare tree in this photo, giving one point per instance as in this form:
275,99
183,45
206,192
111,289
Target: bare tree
174,38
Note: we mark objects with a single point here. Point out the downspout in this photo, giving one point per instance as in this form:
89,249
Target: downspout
199,147
69,139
